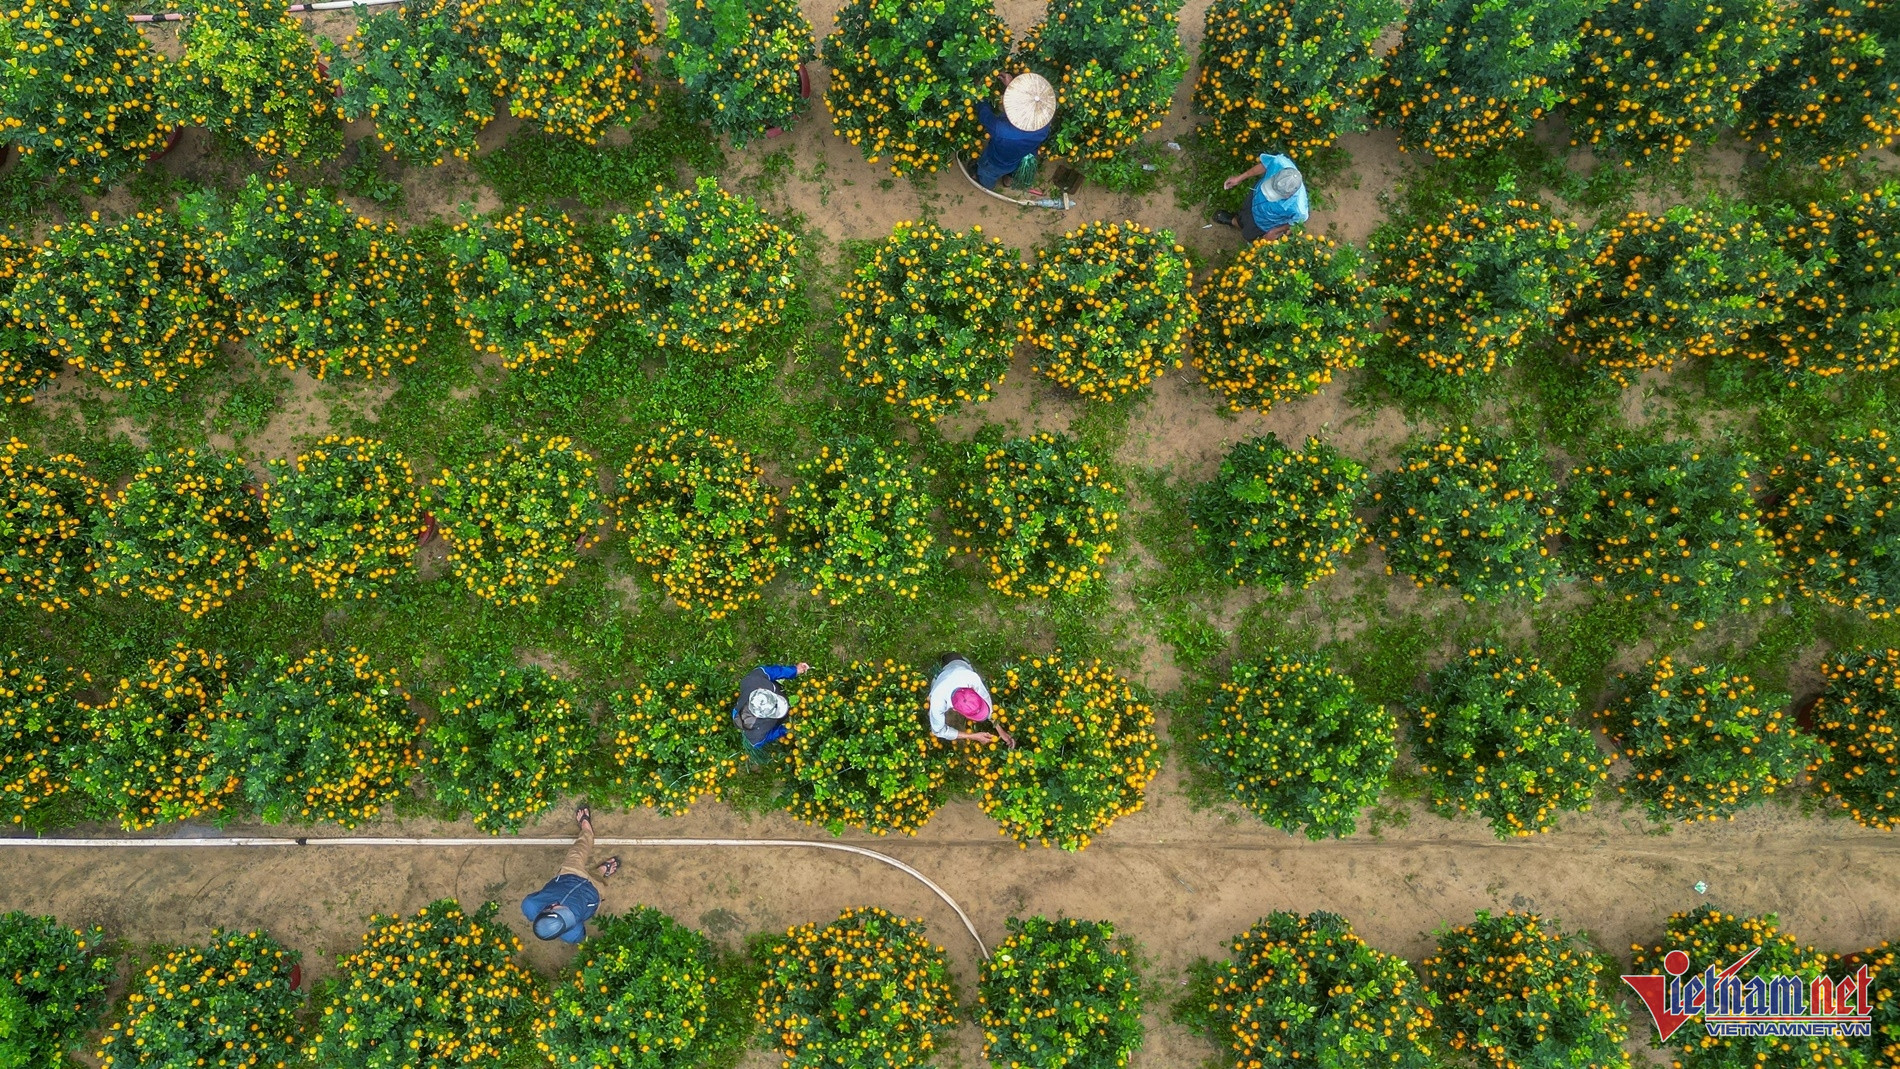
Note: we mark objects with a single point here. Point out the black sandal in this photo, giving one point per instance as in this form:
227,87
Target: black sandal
583,816
608,867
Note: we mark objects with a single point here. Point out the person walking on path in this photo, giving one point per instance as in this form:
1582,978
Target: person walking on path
562,908
761,708
1278,203
958,689
1029,113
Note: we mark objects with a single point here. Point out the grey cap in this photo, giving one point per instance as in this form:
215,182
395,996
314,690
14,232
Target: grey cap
767,705
1284,183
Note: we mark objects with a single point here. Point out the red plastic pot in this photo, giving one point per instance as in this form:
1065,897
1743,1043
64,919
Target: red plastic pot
296,977
429,528
337,87
178,134
804,82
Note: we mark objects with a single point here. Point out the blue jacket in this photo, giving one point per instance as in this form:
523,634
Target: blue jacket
573,897
760,678
1268,214
1008,145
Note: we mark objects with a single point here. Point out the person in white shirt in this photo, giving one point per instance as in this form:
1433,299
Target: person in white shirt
958,689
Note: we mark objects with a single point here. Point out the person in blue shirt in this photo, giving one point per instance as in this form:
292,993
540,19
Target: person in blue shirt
1029,112
761,708
562,908
1278,203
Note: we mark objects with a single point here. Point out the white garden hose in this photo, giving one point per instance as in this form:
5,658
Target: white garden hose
221,841
1060,202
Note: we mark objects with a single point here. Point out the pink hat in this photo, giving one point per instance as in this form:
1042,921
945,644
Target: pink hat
968,702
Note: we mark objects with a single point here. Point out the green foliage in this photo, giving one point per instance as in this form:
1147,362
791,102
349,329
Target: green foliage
698,512
151,744
345,516
1061,994
1713,938
504,743
1700,744
533,166
183,532
1279,321
1835,523
1038,514
1085,752
738,61
226,1005
1493,735
76,91
46,509
702,269
671,736
1469,290
27,360
1280,517
1692,282
1294,744
1114,67
1516,994
134,303
1288,76
250,75
1846,315
1836,94
1657,80
526,290
644,993
1112,309
53,982
575,68
440,990
1470,77
1855,719
931,318
860,756
1669,524
316,286
514,521
327,738
415,70
868,990
1471,510
1308,991
40,737
906,77
859,519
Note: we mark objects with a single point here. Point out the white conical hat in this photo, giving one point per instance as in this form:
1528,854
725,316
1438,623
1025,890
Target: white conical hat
1030,102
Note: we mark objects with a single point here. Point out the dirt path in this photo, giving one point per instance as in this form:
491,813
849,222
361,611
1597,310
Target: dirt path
1178,880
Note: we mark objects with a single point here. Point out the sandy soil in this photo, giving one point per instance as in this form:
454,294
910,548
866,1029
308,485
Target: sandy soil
1179,880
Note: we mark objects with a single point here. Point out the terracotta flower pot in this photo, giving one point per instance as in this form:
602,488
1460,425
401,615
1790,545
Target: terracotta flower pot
429,529
177,135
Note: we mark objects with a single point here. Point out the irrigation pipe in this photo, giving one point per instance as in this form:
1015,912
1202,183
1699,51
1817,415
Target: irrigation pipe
221,841
1061,204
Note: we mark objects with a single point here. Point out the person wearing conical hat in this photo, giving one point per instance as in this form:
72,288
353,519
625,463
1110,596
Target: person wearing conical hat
1278,203
1029,112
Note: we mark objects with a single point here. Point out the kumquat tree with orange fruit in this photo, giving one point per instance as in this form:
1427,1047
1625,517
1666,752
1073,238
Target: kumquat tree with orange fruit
739,63
1470,77
1834,521
48,506
438,990
515,520
1288,76
1039,515
906,78
868,989
526,290
859,755
251,76
1844,316
1515,990
1701,743
1085,752
416,71
574,67
1282,518
504,743
328,738
1111,310
184,532
40,731
198,1005
1114,67
345,517
58,978
1283,319
702,269
931,318
1061,994
1858,767
1836,93
671,740
151,744
858,522
698,512
27,359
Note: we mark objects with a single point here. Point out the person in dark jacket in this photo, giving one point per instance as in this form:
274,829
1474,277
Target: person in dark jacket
562,908
761,708
1029,112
